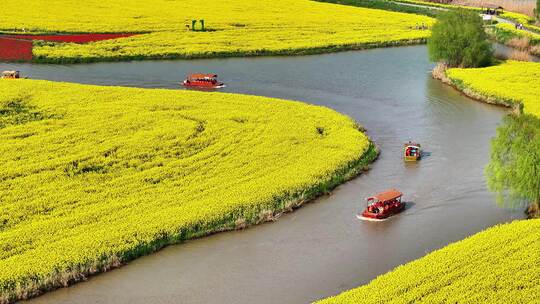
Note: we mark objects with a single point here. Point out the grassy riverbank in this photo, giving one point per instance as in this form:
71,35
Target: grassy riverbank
522,41
498,265
93,177
234,28
508,83
514,84
505,32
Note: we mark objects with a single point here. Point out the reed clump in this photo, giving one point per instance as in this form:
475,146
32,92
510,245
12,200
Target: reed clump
535,50
520,55
520,43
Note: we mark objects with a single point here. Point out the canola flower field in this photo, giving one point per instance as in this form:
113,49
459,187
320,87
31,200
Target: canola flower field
507,31
510,82
516,17
498,265
235,27
92,177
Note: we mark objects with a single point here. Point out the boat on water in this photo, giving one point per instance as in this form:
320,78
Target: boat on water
205,81
11,75
382,205
412,151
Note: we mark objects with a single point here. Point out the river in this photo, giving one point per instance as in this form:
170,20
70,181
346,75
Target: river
321,249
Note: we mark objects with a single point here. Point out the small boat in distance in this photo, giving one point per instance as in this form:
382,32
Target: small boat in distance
412,151
205,81
382,205
11,75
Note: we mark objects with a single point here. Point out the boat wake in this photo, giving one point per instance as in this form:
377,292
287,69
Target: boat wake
368,219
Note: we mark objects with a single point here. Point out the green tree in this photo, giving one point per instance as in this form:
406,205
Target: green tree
458,39
514,169
537,10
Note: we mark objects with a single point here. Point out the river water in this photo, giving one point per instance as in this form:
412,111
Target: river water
320,249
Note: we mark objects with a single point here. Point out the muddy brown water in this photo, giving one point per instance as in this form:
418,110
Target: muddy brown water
321,249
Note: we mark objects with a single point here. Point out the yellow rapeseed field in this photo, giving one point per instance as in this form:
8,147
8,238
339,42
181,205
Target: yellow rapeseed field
534,38
95,176
512,81
236,27
499,265
512,16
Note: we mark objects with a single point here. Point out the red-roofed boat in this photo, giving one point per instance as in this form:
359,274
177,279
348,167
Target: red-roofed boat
383,205
208,81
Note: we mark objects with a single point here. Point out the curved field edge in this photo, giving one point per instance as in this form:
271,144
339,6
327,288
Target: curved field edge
511,84
243,219
498,265
32,105
239,28
298,51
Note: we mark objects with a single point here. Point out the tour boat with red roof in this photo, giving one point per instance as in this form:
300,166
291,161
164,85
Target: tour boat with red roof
208,81
383,205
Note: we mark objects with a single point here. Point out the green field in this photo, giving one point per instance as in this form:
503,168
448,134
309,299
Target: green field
499,265
92,177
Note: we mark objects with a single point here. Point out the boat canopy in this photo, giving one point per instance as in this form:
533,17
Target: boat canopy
202,76
411,144
10,73
386,195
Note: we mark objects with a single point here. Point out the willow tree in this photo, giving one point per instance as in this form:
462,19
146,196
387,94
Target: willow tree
458,39
537,10
514,169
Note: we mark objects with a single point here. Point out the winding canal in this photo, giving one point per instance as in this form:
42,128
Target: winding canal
320,249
